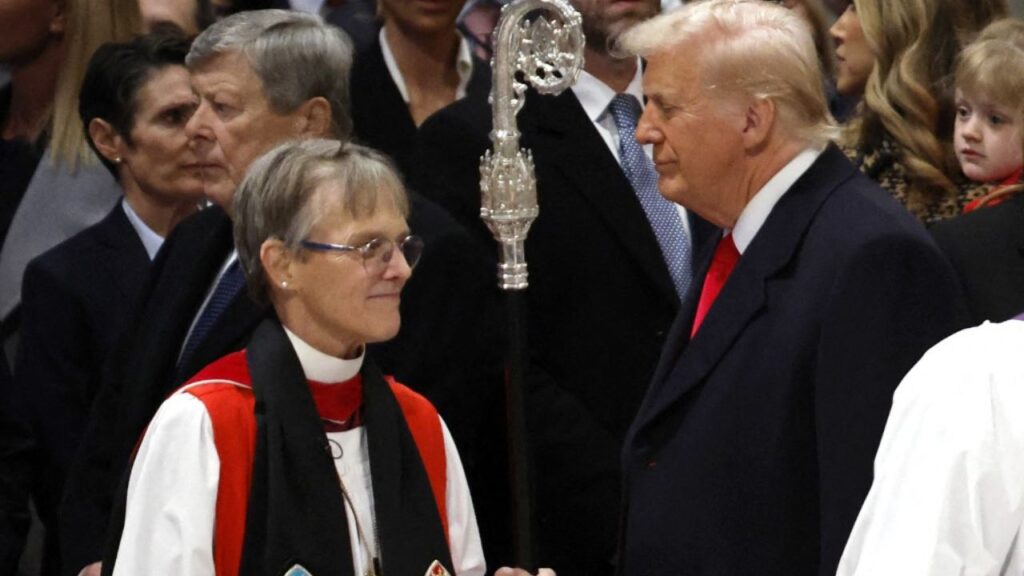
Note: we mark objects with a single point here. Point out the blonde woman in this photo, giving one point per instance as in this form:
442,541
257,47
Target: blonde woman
69,189
901,55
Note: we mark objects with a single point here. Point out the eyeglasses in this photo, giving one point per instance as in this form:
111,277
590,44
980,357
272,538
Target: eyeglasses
376,253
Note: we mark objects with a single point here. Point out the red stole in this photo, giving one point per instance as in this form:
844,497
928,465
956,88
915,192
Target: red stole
231,409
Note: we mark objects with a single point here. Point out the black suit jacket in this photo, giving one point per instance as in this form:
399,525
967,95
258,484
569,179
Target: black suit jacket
141,372
600,303
986,248
753,449
380,118
75,298
356,17
440,351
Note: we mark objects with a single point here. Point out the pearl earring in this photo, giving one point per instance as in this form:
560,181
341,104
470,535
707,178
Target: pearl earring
284,284
117,160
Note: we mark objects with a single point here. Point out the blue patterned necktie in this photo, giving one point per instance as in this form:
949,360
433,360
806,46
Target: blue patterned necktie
227,288
662,214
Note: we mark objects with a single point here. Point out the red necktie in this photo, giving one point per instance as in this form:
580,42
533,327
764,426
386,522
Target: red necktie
724,260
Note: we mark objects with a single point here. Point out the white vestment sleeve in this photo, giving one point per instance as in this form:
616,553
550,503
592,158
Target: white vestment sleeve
463,533
172,495
948,492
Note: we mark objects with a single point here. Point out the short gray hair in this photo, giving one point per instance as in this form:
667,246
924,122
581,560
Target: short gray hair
748,48
297,56
283,196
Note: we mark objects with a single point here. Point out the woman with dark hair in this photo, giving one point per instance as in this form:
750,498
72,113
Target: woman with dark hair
134,103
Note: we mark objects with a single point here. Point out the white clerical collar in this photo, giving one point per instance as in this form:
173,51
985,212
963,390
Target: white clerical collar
151,241
595,96
463,66
322,367
760,206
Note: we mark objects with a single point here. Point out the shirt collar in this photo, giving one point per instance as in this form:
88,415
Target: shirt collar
595,96
760,206
322,367
310,6
463,66
151,241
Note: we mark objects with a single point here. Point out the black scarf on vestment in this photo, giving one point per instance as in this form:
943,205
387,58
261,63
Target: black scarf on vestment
296,508
296,512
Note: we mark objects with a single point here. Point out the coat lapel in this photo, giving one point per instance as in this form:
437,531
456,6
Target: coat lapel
124,257
564,137
687,363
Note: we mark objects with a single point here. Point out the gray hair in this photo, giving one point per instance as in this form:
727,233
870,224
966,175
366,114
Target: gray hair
295,55
747,48
283,196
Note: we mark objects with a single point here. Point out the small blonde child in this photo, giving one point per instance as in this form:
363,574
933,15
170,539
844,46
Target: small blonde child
988,135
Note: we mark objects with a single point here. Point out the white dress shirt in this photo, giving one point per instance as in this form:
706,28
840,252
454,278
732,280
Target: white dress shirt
151,241
756,212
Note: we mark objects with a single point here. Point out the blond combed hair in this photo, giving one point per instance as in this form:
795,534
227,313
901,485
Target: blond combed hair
992,69
908,95
90,24
751,49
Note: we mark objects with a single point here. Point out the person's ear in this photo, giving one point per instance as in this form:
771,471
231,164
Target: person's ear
315,118
59,18
277,261
759,119
108,142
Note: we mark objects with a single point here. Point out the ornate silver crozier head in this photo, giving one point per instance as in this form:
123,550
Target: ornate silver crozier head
538,43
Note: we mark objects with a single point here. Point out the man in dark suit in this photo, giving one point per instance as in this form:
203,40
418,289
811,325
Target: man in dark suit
752,451
602,292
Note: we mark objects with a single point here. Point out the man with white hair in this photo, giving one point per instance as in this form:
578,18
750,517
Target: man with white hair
752,450
609,265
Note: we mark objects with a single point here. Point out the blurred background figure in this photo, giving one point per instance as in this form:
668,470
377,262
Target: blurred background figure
51,184
419,64
819,17
69,190
476,23
986,246
358,18
189,16
900,56
31,51
134,103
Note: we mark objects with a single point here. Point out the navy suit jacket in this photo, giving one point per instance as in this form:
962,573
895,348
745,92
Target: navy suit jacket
75,301
600,304
753,449
141,371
